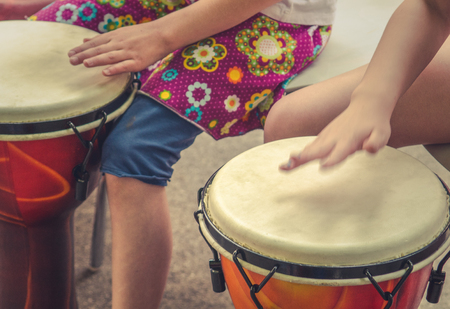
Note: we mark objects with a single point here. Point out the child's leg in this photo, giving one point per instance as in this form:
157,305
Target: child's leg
420,117
141,242
137,158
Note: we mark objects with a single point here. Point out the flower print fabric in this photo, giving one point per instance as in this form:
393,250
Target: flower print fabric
163,7
205,54
267,48
67,14
226,84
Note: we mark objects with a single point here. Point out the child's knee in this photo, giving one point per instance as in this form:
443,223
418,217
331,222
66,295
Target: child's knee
285,120
291,120
273,126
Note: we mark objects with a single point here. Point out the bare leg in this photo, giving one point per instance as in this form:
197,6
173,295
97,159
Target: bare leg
420,117
142,242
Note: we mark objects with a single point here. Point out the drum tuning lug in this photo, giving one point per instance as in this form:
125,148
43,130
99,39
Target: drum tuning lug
435,286
82,176
81,185
217,278
437,279
215,266
79,171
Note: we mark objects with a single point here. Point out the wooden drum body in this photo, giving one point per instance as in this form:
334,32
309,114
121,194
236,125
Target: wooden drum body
53,120
363,234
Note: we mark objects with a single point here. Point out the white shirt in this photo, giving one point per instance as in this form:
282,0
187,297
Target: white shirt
304,12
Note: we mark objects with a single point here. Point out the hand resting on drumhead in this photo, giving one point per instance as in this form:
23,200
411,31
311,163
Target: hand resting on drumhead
362,126
413,36
128,49
133,48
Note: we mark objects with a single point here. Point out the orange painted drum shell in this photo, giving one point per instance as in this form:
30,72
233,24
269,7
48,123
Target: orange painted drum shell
279,294
36,180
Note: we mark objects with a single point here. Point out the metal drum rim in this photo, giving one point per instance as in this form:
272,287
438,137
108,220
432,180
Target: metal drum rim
48,126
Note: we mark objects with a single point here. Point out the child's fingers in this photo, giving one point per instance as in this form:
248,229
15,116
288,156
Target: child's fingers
98,55
294,162
79,48
107,58
76,60
313,151
289,165
375,142
318,149
339,154
372,144
89,44
122,67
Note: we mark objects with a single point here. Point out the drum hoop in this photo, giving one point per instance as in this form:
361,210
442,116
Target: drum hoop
49,126
317,271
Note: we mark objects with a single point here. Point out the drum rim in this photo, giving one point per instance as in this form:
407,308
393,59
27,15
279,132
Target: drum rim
317,271
49,126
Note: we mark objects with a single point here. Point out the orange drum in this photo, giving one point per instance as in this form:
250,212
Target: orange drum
53,120
360,235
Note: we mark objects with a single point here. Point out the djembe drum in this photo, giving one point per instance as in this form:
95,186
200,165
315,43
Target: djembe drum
360,235
53,120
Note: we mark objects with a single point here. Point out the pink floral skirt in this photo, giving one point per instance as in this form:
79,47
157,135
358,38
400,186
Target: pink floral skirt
226,83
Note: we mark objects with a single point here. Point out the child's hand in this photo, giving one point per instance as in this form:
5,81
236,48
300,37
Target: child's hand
128,49
359,127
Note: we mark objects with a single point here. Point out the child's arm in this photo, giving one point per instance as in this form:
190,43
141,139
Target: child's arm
133,48
412,37
20,9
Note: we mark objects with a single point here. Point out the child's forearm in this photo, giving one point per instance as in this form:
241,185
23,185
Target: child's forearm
412,37
205,18
131,49
20,9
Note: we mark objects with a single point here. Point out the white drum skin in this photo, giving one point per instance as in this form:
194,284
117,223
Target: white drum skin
368,210
38,83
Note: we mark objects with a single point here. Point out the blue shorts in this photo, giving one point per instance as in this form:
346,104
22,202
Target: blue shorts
146,141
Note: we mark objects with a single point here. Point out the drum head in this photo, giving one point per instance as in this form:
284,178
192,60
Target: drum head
37,82
366,211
